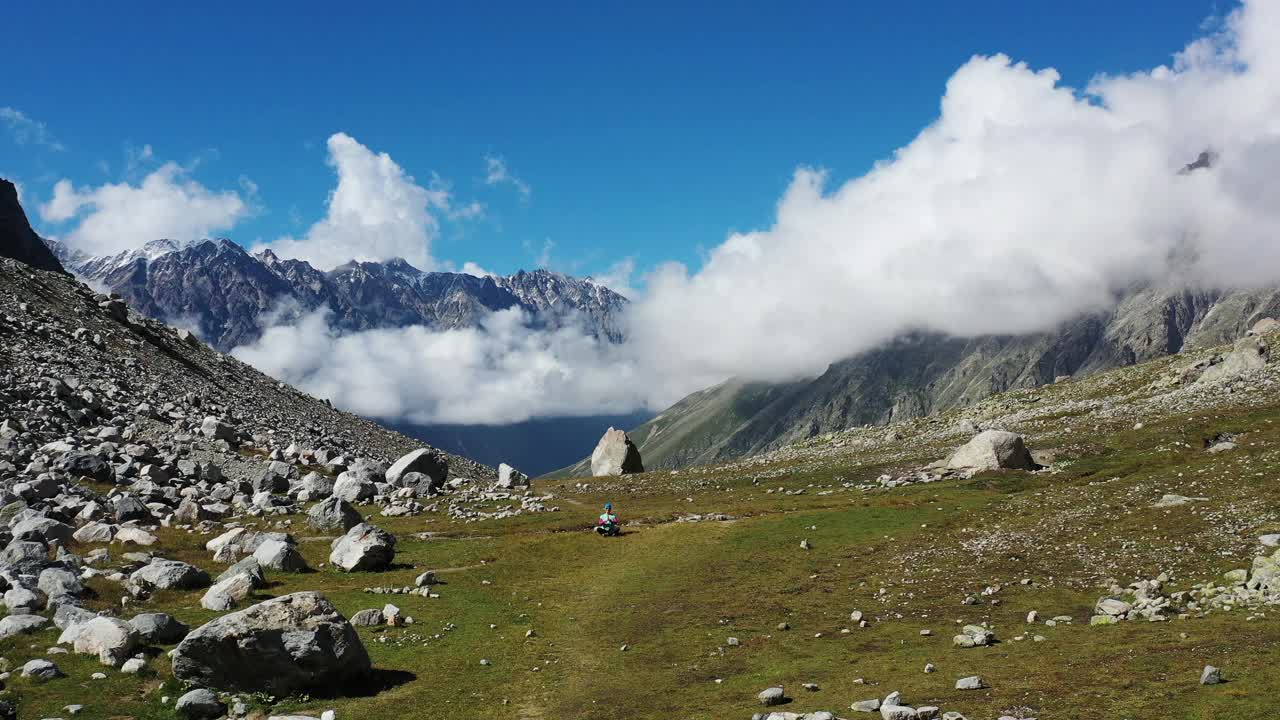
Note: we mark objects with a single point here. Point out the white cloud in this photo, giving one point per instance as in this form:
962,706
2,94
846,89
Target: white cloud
471,268
541,253
25,130
1024,204
618,277
135,157
500,372
376,212
497,173
167,203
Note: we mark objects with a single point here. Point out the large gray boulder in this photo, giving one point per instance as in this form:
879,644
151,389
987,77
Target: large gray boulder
511,478
333,513
283,646
429,462
615,454
163,574
111,639
215,429
228,592
364,547
199,704
1249,355
159,628
353,488
12,625
57,581
992,450
280,555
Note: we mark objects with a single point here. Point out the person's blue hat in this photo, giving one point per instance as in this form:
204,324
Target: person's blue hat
608,506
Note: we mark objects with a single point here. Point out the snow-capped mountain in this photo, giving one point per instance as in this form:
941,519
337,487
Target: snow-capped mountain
219,289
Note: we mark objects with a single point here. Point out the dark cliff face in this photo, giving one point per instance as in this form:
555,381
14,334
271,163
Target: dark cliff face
228,294
17,239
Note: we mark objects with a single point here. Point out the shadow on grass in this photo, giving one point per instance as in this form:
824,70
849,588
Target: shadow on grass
378,681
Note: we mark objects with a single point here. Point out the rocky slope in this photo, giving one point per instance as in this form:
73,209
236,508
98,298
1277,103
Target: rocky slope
225,294
72,358
924,374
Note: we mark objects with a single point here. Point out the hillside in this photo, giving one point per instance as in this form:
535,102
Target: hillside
838,569
925,374
58,331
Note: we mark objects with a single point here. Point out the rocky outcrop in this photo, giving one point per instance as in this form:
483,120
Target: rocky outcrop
17,239
283,646
615,454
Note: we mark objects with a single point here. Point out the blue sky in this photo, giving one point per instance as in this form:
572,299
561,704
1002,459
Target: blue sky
642,130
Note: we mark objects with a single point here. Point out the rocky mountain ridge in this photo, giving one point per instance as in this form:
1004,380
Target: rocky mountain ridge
226,294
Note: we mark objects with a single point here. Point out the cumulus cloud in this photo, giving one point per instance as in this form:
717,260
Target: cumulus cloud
497,173
25,130
1024,204
376,212
167,203
503,371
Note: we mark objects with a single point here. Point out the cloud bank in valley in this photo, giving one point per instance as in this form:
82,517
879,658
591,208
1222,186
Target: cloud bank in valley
503,371
1024,204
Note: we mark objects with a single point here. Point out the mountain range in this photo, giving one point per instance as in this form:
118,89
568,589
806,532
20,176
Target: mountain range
226,294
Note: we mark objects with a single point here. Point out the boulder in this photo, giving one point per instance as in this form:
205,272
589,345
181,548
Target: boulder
431,463
314,486
509,477
57,581
353,488
40,670
333,513
111,639
279,555
371,617
364,547
199,704
23,600
249,565
615,454
992,450
159,628
163,574
1248,356
1265,326
215,429
13,625
228,592
771,696
283,646
42,529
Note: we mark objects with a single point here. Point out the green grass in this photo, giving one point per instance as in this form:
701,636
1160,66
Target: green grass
908,557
